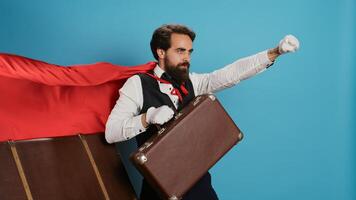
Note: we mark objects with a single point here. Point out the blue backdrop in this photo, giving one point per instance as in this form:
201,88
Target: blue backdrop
298,117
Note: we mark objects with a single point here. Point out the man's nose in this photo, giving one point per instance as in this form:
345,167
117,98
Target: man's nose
186,57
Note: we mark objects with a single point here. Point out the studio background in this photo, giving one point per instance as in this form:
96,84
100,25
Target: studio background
298,116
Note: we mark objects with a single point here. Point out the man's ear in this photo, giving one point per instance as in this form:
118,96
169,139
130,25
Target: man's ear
161,53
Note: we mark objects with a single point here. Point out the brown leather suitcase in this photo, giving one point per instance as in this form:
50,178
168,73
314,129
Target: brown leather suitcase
185,148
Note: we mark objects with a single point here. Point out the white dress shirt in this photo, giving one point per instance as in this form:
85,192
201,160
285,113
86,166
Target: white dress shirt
124,122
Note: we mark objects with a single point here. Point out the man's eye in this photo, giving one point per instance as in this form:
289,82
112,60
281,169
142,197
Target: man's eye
180,51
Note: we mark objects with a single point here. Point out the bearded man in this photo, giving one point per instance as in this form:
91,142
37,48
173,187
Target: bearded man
152,98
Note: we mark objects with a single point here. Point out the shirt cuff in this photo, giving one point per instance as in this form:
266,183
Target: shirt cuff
263,59
140,127
136,127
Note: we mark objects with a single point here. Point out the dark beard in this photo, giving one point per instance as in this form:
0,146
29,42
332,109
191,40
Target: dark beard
179,73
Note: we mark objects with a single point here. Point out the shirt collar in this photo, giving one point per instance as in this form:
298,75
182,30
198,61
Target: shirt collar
158,71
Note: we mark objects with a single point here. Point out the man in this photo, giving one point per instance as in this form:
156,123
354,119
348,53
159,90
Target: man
151,98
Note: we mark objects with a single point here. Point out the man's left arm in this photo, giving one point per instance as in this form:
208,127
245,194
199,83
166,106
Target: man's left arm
241,69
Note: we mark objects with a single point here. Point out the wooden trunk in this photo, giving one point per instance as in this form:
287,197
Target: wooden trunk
75,167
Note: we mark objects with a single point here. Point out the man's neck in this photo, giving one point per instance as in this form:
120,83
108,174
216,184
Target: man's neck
161,65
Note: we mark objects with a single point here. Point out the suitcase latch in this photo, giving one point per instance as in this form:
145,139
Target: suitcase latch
178,115
161,131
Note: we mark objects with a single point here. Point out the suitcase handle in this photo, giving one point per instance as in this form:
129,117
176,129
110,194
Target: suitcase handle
158,127
177,114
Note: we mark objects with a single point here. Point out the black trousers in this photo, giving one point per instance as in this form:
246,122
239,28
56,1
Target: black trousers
201,190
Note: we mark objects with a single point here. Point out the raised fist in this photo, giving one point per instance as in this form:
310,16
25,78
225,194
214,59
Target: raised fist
288,44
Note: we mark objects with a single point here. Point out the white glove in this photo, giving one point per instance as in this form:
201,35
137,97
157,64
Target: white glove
288,44
159,115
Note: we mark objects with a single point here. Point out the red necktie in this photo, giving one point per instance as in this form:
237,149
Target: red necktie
175,91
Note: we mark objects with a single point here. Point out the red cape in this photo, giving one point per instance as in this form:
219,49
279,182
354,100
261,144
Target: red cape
39,99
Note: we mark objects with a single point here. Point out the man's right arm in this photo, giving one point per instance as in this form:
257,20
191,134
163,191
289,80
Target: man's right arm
124,121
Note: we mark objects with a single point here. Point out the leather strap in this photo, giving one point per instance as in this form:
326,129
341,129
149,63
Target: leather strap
20,170
95,167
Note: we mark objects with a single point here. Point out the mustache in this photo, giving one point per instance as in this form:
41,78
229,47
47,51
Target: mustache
186,63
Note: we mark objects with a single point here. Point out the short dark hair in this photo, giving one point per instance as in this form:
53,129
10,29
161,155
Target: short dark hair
161,38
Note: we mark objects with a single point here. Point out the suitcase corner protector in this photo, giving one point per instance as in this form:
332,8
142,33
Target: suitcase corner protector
212,97
173,197
141,158
240,136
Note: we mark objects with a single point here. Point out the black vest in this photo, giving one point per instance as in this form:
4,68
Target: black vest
152,96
